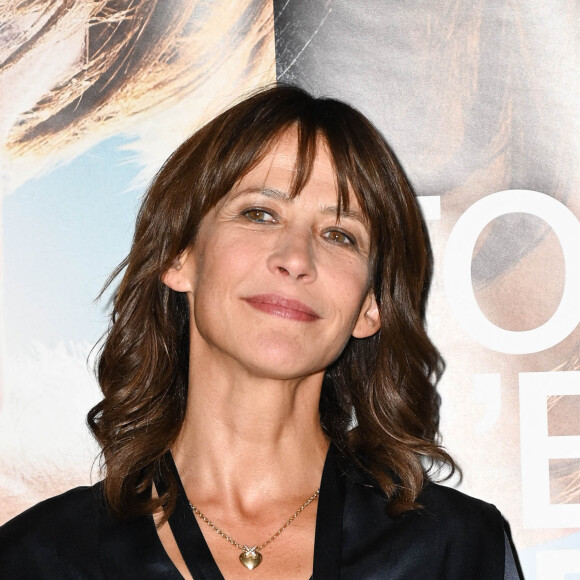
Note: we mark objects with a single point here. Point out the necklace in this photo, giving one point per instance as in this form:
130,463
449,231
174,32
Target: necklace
251,556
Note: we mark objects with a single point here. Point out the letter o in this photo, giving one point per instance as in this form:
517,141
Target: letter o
457,271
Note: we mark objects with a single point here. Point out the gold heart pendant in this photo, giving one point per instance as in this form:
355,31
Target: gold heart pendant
250,557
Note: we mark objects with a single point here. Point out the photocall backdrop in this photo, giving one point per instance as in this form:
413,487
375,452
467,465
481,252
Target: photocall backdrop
481,102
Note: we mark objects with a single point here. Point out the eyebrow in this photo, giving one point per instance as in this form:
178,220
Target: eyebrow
347,213
284,196
267,192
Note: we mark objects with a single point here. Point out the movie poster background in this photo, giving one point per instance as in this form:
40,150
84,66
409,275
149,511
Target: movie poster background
480,98
94,97
481,102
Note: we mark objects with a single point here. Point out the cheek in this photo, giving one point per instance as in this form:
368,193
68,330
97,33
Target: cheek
349,283
223,262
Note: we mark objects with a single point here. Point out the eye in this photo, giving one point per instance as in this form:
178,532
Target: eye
340,237
258,215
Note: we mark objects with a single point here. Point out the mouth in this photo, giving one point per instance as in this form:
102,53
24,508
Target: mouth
283,307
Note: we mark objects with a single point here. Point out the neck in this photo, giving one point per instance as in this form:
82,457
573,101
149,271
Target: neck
250,437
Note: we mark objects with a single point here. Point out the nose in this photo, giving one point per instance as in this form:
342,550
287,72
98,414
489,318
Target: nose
293,256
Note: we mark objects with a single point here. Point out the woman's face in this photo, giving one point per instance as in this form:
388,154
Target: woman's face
276,286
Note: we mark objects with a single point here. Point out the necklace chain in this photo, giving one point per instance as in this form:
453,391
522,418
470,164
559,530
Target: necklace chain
269,540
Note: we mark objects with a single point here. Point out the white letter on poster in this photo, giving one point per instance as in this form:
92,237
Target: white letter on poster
537,448
457,271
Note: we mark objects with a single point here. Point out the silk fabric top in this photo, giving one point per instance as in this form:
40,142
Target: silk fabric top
454,537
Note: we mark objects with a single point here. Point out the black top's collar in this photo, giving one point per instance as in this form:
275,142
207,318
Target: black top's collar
328,542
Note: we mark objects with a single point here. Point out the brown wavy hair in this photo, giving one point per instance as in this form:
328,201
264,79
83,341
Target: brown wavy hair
385,382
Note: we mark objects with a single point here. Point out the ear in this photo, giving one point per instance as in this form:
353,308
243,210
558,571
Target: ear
369,319
177,277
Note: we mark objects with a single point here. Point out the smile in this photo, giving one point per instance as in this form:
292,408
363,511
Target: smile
283,307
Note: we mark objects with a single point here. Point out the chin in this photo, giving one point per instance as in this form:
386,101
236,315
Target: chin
284,364
281,374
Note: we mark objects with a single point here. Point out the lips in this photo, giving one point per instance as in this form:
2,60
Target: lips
284,307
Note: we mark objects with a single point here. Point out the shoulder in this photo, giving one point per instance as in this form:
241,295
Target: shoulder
455,508
461,521
444,511
452,536
36,542
70,510
463,535
441,506
469,529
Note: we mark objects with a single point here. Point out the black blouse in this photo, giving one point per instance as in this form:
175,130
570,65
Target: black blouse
454,537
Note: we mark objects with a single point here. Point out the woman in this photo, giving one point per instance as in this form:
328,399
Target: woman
272,299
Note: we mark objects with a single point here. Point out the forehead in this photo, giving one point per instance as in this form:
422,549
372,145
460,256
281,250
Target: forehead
279,169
